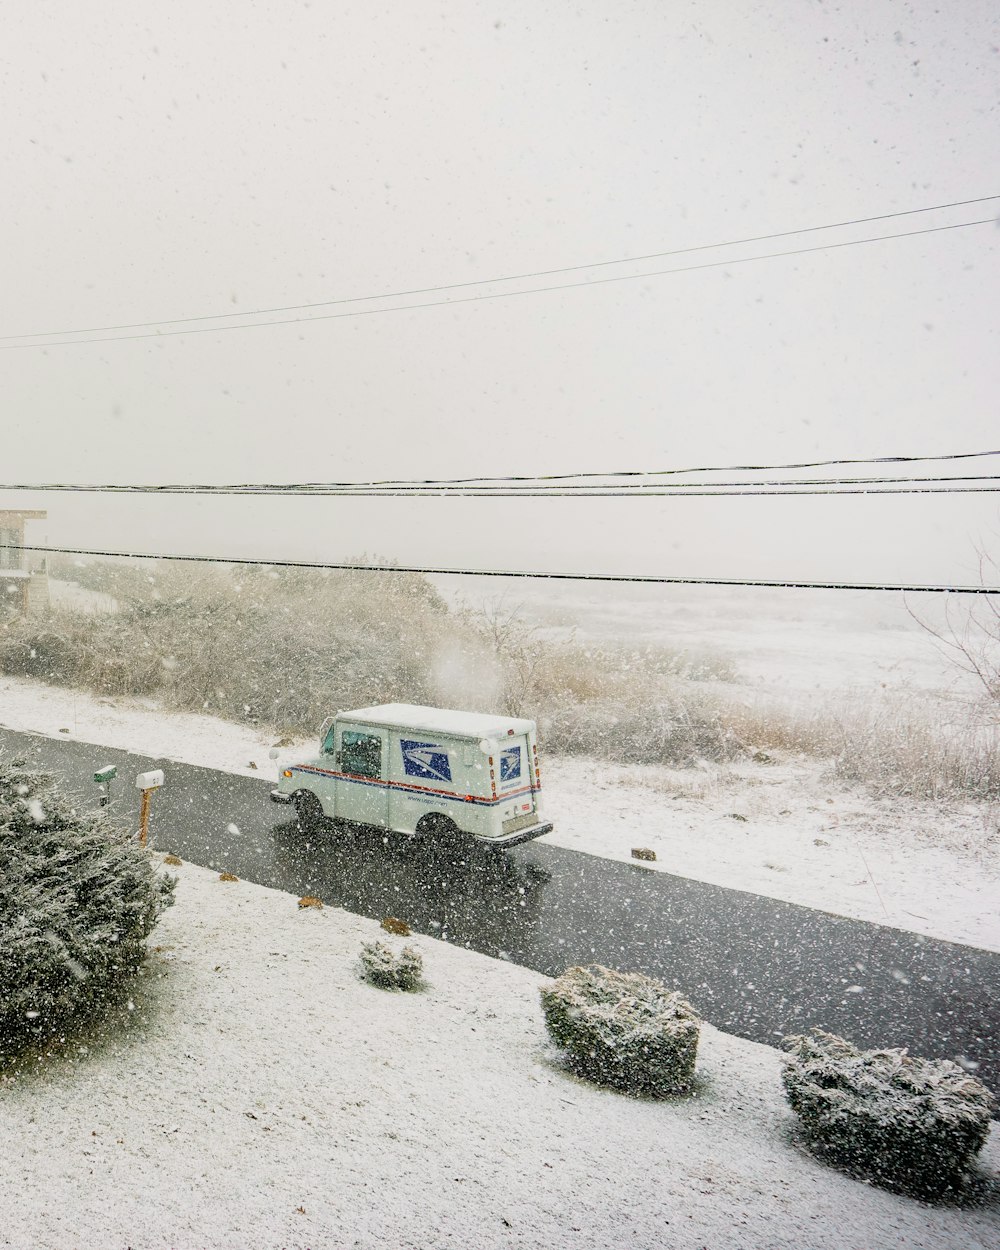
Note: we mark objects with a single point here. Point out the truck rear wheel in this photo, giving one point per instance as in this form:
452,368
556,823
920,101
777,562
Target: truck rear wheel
440,833
308,811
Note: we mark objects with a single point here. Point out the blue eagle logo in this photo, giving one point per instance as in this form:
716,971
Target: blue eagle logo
510,764
425,759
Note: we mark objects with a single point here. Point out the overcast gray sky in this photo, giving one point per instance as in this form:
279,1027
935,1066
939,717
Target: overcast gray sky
164,161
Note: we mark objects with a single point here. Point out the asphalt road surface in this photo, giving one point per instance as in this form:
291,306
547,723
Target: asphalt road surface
751,965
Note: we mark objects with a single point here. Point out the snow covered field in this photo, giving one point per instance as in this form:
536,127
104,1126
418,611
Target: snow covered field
259,1094
784,641
785,830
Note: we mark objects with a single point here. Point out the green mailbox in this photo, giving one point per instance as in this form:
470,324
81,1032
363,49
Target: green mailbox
104,777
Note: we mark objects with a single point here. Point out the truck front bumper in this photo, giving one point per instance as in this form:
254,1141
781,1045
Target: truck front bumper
277,796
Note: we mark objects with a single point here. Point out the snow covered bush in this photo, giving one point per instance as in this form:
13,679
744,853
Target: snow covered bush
623,1029
389,970
77,900
665,723
30,650
258,645
904,1122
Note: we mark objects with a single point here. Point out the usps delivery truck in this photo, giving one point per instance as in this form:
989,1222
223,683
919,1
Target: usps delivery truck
423,771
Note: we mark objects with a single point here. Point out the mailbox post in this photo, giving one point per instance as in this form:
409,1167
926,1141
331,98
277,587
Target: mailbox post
147,783
104,776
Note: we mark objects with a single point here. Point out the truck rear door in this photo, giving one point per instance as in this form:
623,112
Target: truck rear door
514,783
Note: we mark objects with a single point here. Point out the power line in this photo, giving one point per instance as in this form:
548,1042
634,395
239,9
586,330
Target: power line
678,490
590,490
497,295
621,494
510,277
730,468
307,488
657,494
638,578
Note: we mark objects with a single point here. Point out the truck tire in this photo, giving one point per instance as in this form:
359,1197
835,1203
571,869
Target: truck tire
434,825
308,812
441,836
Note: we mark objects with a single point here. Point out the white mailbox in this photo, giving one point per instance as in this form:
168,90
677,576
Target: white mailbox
149,781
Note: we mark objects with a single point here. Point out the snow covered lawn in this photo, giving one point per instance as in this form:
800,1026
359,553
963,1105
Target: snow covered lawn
785,830
259,1094
788,830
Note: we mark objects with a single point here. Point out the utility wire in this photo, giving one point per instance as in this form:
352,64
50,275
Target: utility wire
590,490
617,494
595,489
510,277
639,578
675,490
658,494
264,487
731,468
497,295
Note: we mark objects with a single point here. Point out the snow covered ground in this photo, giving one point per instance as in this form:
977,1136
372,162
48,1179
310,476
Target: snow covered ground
789,830
260,1094
801,641
786,830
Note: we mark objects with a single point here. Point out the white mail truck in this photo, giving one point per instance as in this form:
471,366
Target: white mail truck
422,771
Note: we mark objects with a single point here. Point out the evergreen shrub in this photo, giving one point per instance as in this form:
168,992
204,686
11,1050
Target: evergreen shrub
389,970
78,898
901,1121
623,1029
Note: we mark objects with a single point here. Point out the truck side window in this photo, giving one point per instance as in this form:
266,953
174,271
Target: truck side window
361,754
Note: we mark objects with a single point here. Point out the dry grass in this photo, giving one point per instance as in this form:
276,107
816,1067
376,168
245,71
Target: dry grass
258,645
285,647
675,725
903,745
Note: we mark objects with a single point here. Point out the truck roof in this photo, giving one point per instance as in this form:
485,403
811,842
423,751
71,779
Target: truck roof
439,720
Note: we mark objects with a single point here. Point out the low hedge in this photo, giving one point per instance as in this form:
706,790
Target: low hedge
390,970
901,1121
623,1029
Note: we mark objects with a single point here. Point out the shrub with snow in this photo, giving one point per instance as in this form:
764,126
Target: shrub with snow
623,1029
904,1122
389,970
77,900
